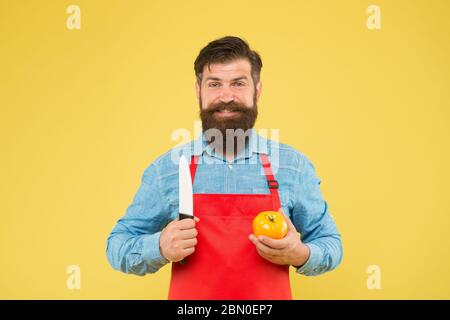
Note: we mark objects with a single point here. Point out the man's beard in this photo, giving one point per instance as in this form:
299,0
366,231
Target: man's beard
233,129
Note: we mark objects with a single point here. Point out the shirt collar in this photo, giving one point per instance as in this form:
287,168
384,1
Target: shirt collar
256,144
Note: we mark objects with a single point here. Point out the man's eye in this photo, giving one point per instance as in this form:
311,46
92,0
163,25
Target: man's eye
239,84
213,84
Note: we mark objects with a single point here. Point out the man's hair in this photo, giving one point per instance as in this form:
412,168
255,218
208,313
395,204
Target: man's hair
224,50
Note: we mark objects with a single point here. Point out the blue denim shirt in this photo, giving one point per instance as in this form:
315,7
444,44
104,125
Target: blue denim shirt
133,245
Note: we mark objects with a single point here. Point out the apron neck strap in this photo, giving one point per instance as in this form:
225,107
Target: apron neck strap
271,182
193,167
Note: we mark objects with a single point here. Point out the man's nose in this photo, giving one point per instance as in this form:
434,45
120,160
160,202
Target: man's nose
226,95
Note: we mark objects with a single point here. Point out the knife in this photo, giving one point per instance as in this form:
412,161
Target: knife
186,208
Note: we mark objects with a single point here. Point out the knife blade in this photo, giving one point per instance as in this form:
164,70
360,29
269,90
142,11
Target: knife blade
185,199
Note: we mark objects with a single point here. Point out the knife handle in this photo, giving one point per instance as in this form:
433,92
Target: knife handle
185,216
181,217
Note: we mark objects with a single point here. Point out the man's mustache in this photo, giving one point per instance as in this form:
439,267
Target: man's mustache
230,106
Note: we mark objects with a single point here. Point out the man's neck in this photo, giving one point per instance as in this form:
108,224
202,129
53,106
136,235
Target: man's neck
229,155
230,149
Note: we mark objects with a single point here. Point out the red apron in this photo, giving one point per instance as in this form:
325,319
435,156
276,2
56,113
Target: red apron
225,264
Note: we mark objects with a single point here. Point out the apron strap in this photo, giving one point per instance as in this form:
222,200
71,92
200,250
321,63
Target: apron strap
272,183
193,167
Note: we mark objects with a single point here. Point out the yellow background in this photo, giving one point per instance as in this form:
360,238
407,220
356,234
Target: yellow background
84,112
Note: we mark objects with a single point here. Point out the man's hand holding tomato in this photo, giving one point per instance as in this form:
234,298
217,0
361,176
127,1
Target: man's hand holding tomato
286,251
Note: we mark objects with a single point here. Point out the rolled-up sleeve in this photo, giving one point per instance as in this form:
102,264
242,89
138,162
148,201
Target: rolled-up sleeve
133,245
317,227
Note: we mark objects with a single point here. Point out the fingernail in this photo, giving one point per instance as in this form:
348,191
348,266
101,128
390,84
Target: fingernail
261,238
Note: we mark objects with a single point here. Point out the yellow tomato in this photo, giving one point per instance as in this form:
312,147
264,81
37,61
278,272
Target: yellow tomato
270,224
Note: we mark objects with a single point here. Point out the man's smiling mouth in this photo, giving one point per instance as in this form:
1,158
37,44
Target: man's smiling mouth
226,113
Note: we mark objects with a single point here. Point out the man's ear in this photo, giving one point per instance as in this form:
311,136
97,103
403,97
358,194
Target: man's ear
258,89
197,90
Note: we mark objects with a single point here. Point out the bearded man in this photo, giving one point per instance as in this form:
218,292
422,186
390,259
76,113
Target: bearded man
236,174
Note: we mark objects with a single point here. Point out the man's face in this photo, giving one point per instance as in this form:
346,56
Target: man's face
227,96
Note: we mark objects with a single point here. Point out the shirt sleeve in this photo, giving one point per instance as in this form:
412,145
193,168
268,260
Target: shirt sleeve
133,245
313,220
